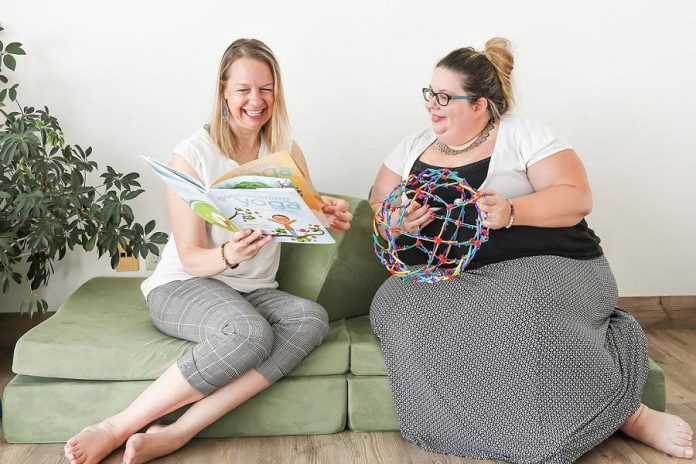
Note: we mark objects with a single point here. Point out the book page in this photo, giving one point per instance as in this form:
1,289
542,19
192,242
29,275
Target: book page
280,164
193,193
280,212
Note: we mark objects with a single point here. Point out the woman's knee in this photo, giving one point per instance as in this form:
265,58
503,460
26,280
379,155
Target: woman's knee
312,320
253,330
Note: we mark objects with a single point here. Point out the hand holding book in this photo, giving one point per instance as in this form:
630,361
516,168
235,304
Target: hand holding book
269,194
244,245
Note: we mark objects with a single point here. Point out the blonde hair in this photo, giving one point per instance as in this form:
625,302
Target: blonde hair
487,74
276,132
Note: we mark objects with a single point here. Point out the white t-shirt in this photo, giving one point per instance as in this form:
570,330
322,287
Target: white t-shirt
259,272
520,143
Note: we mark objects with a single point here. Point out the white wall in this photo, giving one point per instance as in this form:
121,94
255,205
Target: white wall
616,78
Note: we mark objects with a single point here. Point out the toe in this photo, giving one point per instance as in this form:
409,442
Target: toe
683,426
679,441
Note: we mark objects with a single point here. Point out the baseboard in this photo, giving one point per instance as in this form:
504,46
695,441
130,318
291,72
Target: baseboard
14,325
662,312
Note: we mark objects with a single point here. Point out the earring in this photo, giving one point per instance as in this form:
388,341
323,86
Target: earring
225,111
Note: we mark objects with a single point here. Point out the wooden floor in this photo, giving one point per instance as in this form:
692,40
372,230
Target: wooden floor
674,349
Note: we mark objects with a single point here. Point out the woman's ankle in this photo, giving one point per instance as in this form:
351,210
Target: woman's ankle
178,433
629,425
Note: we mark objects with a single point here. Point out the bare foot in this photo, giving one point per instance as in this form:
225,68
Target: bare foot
144,447
664,432
93,444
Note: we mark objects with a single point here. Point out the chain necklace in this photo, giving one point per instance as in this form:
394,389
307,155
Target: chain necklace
478,141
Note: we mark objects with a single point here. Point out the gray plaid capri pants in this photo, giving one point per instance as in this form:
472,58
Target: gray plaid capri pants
266,329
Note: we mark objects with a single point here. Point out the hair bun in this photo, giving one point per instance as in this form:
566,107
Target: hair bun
498,43
499,53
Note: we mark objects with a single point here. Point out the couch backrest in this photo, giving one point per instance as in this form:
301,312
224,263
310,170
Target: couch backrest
342,277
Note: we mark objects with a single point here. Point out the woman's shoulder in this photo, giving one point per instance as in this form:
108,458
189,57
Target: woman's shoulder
530,138
416,141
198,139
197,145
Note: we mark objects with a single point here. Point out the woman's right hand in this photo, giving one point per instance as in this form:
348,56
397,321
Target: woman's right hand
417,217
244,245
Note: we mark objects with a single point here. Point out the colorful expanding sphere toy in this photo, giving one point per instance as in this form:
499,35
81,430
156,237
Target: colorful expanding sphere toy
437,248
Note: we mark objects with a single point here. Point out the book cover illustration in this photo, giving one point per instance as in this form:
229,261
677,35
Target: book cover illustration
280,164
271,204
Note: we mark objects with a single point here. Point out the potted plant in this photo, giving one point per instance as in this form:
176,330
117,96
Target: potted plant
47,203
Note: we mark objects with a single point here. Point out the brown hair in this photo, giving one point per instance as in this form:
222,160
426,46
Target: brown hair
276,132
486,74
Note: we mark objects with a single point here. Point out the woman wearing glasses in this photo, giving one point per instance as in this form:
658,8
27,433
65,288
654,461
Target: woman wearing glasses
524,356
216,288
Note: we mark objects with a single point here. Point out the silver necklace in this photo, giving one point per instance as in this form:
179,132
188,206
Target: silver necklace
478,141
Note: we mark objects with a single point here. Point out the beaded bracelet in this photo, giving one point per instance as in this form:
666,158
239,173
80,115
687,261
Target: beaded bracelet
228,265
512,214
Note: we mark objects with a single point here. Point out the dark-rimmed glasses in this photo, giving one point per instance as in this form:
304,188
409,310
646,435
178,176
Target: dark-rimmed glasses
442,98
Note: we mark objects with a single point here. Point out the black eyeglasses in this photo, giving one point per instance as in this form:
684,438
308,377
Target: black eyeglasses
442,98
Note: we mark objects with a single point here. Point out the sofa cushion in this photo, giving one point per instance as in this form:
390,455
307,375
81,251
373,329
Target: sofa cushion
342,277
104,332
39,410
370,404
365,351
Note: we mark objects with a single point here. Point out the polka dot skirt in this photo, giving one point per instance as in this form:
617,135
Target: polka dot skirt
527,360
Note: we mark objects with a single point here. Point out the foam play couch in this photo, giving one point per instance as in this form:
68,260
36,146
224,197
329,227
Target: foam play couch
100,350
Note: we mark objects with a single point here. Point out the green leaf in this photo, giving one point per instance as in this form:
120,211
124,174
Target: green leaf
12,92
114,260
15,48
9,61
89,246
159,238
3,79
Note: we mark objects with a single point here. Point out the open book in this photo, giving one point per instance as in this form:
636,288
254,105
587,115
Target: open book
269,193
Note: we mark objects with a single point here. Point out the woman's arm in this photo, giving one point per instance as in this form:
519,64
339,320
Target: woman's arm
336,209
562,196
192,239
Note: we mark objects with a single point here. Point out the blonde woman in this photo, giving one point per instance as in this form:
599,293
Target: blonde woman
524,357
215,288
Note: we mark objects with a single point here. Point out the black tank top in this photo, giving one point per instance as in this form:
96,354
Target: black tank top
577,242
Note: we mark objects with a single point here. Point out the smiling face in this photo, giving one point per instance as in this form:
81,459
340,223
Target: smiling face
248,91
455,122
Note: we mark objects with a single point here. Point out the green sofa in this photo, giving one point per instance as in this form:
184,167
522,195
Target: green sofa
100,350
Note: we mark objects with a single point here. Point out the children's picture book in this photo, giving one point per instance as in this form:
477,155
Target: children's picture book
248,197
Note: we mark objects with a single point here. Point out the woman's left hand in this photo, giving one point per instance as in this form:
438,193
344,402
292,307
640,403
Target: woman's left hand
495,209
337,213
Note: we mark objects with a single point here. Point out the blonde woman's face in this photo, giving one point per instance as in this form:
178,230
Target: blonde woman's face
453,121
249,94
